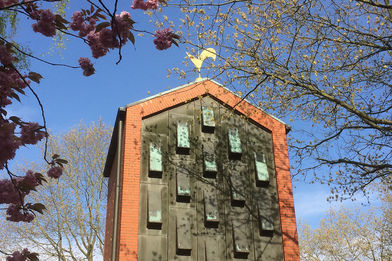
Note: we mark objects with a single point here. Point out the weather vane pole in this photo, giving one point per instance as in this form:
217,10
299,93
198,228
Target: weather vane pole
209,52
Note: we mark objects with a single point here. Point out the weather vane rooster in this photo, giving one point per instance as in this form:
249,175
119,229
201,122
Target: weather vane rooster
209,52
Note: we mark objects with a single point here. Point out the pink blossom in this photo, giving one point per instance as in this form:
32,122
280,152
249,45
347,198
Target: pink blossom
5,55
8,192
31,133
140,4
29,182
5,89
18,256
5,3
124,24
77,21
55,172
9,143
16,213
9,80
164,39
87,28
78,24
14,191
96,46
87,66
108,38
45,24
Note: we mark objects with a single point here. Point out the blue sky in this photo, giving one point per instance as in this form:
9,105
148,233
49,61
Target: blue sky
69,97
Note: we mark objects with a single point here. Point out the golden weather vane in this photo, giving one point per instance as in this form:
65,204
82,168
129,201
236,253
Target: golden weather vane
209,52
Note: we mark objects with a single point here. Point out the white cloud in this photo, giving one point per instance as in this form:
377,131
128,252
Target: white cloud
23,111
310,201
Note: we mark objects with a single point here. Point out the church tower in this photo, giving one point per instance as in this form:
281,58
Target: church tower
197,173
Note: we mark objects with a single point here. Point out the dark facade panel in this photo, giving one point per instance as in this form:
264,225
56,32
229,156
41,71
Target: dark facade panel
182,242
208,119
241,239
181,135
265,221
261,170
217,192
153,199
183,142
211,209
152,248
213,247
235,146
154,208
210,167
182,175
183,187
154,159
155,165
183,234
238,182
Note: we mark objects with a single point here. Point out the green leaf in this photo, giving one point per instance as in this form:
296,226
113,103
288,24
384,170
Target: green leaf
175,36
131,38
60,19
33,256
61,161
175,43
55,156
60,25
25,186
15,96
100,15
37,207
15,119
20,91
40,178
101,26
36,77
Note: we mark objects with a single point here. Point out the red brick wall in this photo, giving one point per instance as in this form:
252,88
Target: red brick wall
110,213
131,163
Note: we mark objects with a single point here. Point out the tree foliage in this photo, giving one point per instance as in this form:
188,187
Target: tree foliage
324,65
350,234
72,227
102,28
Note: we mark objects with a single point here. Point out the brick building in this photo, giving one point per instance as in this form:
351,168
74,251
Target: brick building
196,173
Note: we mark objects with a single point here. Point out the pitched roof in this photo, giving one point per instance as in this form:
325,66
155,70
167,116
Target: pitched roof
185,93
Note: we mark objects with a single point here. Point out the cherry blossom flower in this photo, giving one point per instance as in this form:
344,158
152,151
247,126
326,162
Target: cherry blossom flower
9,143
55,172
5,55
8,192
163,38
87,66
18,256
31,133
79,24
108,38
45,24
14,191
96,46
140,4
16,213
30,181
124,24
5,3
